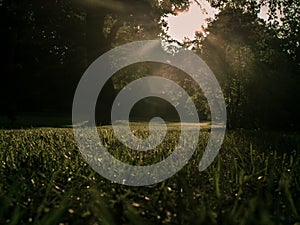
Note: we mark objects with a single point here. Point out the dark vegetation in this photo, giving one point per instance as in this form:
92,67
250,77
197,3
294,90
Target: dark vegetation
47,45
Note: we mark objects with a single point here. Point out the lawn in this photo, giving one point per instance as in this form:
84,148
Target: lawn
255,179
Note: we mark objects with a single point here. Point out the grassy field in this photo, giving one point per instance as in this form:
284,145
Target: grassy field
254,180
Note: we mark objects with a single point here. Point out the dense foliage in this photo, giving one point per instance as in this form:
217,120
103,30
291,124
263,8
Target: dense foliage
46,46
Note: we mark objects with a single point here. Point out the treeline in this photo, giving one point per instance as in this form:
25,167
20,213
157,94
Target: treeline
258,72
47,45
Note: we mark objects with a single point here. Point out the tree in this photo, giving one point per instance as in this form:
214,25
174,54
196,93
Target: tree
245,56
48,45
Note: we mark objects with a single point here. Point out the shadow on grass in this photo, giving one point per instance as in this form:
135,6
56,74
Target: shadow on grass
36,120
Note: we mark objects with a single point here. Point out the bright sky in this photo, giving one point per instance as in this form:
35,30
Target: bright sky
187,23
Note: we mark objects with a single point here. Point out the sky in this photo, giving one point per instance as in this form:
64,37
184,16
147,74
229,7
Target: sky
185,24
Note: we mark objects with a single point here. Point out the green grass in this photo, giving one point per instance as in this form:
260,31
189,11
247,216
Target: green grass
255,179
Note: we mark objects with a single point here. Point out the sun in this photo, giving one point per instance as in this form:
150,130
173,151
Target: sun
186,24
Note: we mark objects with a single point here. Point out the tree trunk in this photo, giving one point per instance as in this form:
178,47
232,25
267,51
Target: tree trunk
96,45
